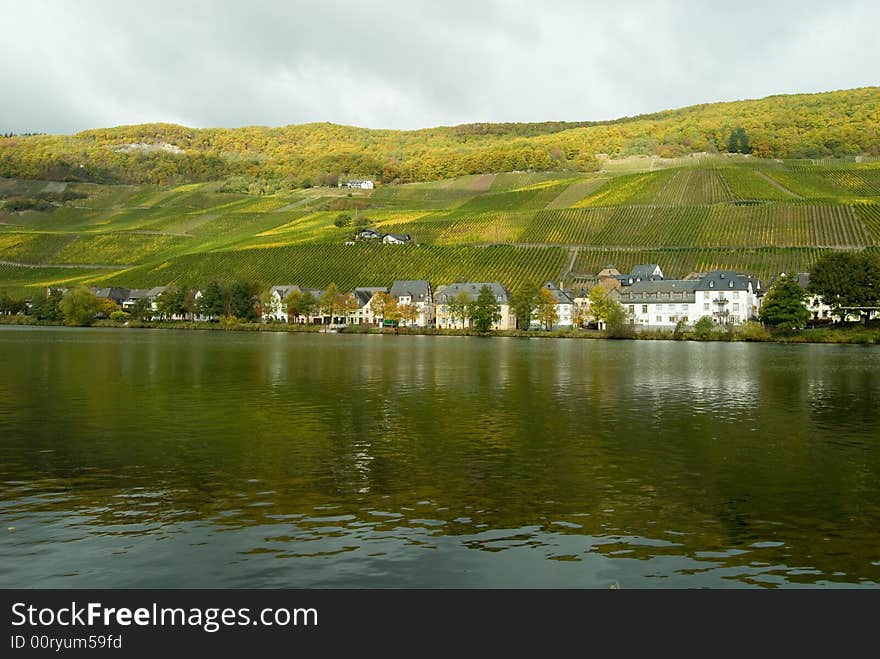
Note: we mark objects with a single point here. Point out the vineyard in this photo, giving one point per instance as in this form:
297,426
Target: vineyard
747,214
356,265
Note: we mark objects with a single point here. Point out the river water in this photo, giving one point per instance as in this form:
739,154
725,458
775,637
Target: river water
161,458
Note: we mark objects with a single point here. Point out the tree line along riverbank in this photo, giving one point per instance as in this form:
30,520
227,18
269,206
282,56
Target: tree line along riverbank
749,332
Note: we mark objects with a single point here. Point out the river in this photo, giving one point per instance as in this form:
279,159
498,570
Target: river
174,459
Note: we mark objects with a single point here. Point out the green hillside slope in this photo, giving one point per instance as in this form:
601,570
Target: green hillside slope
690,214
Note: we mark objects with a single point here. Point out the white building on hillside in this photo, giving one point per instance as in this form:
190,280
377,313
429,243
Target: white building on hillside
357,184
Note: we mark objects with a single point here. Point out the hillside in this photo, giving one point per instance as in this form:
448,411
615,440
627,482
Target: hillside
688,214
269,160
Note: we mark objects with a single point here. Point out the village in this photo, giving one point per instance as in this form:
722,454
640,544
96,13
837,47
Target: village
646,299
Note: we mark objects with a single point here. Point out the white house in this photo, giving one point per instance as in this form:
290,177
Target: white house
820,311
564,307
365,315
417,292
136,294
725,297
396,238
445,294
275,309
357,184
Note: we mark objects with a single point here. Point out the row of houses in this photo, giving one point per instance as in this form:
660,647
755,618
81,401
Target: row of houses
650,299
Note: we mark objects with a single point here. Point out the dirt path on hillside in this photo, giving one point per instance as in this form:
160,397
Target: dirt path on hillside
776,184
566,270
482,183
65,266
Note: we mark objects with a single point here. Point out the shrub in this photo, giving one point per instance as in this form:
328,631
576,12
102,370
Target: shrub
752,331
704,328
118,316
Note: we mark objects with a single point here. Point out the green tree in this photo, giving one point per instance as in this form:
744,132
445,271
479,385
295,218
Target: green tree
79,307
847,279
9,306
618,324
293,303
214,301
524,302
171,302
308,305
243,300
703,328
342,220
458,307
547,312
783,306
48,307
142,309
738,142
106,306
601,303
485,310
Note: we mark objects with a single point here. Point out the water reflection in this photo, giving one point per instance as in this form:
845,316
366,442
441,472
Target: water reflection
212,459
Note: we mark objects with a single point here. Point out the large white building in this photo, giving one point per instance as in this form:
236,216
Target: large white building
726,297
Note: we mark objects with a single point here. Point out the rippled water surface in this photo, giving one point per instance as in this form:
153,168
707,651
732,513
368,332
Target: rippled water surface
210,459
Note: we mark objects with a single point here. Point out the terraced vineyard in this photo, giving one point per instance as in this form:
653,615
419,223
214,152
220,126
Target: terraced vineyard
745,214
356,265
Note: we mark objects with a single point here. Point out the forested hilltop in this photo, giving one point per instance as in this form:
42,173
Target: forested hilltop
261,160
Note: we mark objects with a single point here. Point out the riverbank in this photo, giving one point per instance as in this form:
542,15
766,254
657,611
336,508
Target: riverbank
751,332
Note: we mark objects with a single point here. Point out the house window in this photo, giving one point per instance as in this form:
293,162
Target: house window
736,295
659,319
705,306
644,308
736,306
672,319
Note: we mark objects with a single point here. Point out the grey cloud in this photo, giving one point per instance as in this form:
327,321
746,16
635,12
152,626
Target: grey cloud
70,66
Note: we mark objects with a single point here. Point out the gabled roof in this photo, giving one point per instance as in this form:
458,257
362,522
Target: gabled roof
365,293
284,290
562,297
114,293
727,280
419,290
658,290
402,237
646,271
472,290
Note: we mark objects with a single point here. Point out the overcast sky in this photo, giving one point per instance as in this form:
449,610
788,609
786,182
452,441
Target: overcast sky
70,65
